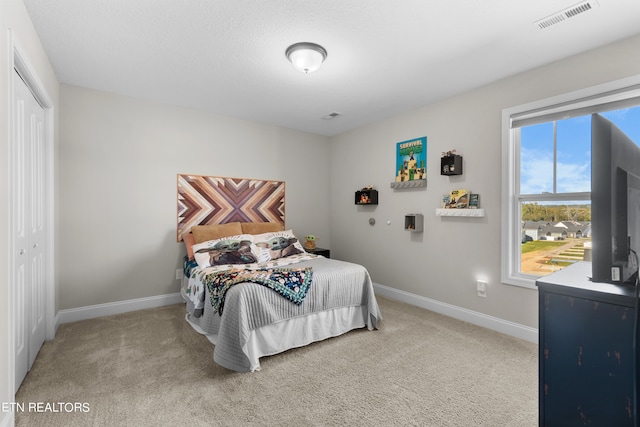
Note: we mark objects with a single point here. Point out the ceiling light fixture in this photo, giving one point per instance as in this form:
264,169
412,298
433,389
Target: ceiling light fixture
306,57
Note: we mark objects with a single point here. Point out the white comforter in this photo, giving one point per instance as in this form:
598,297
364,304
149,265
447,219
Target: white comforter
337,285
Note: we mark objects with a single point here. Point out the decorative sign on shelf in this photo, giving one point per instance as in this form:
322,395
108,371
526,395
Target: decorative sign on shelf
460,199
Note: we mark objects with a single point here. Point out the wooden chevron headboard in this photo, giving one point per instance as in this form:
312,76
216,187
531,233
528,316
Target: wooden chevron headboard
206,200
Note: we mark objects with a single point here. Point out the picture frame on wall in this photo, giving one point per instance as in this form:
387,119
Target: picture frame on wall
411,160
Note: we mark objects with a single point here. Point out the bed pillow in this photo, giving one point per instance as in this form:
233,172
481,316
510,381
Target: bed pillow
204,233
238,249
189,241
261,227
278,244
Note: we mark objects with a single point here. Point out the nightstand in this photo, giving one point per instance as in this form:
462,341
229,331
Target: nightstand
319,251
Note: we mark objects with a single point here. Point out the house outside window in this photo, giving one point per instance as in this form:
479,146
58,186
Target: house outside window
546,188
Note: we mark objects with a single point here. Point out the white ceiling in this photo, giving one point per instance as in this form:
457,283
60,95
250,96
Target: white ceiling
384,56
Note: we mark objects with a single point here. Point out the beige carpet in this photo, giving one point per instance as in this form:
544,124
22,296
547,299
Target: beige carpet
149,368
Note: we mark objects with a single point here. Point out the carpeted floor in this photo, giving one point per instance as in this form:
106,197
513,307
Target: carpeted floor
149,368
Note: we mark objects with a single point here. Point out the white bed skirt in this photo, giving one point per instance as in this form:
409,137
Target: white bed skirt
281,336
300,331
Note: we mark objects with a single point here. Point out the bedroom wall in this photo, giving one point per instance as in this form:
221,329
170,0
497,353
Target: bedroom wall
444,262
13,16
119,158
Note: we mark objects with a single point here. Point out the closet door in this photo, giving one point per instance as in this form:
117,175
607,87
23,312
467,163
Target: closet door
27,227
36,229
18,225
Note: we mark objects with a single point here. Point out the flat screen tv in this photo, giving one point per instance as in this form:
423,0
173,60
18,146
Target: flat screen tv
615,203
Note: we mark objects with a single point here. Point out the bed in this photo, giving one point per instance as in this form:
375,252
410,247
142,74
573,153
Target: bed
257,316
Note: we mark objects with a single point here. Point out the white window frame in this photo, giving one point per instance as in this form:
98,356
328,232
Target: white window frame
613,92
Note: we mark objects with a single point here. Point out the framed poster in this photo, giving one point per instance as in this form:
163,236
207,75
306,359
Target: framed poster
411,160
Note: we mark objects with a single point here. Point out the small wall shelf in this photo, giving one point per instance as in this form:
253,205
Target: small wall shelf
451,165
366,197
409,184
477,213
414,222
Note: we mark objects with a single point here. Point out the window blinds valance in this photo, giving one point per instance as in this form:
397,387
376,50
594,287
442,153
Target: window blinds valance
614,100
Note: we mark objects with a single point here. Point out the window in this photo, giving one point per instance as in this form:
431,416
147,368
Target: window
546,189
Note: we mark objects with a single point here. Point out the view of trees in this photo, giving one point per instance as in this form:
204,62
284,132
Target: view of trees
556,213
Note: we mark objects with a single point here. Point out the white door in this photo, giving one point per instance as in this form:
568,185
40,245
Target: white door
27,227
36,230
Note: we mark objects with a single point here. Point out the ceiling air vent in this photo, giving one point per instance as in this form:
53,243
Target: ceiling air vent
569,12
331,116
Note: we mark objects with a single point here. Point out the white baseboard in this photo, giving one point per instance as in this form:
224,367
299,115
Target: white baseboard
53,329
100,310
500,325
7,419
509,328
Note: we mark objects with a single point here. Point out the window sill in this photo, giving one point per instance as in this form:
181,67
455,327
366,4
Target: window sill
528,282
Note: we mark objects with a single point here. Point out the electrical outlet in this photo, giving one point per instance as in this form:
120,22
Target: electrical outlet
179,273
481,287
615,274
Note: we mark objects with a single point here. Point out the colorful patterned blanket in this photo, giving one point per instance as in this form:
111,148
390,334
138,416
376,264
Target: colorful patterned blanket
195,287
291,283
